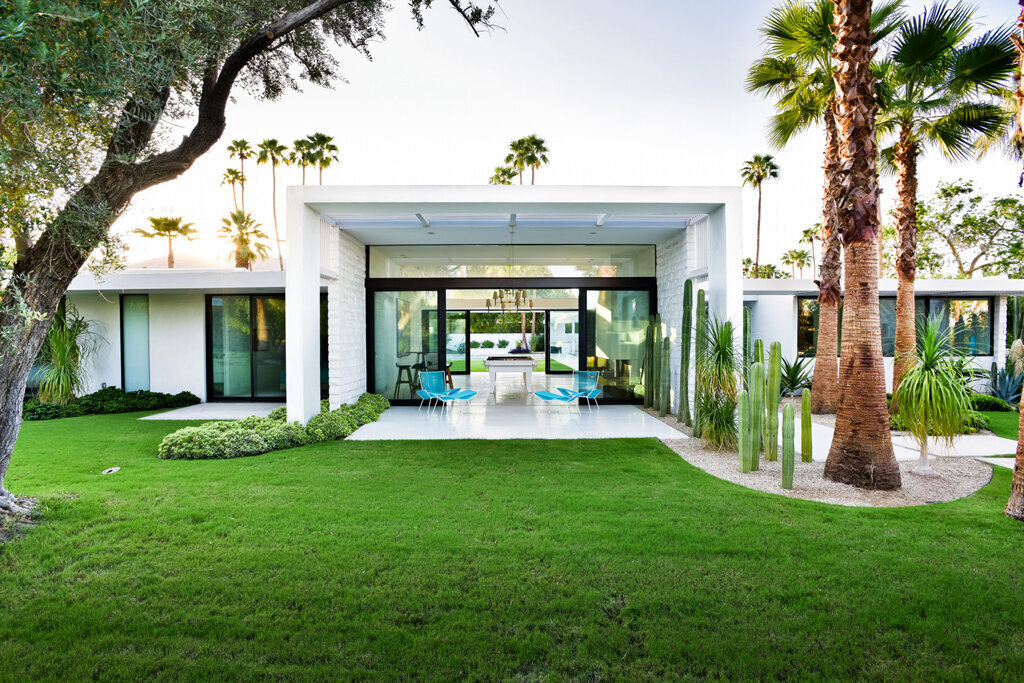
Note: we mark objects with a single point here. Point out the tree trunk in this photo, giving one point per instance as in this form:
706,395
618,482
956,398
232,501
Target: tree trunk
533,174
241,183
825,385
273,200
1018,41
906,257
170,252
1015,506
861,453
234,195
757,241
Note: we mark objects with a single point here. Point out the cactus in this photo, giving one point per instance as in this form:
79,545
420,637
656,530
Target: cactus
656,397
746,341
772,395
788,446
699,357
755,381
743,404
758,351
649,361
666,376
684,355
806,444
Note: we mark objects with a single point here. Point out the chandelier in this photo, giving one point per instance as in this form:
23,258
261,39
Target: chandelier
509,300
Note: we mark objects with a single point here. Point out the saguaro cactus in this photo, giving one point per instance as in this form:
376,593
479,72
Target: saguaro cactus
772,396
701,338
684,355
755,380
806,445
666,376
788,446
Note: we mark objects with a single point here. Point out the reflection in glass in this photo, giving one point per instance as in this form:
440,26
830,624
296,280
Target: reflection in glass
231,346
268,353
616,329
504,260
135,341
455,345
564,334
405,334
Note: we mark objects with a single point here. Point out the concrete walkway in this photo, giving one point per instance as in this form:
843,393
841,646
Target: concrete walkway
216,411
515,422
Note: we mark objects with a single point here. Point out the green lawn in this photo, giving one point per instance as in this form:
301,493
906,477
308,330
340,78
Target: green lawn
1004,424
496,560
478,366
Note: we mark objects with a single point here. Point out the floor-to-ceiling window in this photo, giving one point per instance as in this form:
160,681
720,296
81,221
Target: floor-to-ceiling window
616,332
405,341
135,341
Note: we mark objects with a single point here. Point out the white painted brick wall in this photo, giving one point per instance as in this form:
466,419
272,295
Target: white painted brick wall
671,276
346,311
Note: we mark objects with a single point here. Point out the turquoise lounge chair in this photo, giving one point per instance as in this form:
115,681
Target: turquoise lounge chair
585,386
433,390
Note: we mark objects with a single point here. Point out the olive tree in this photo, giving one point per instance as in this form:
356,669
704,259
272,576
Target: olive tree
90,91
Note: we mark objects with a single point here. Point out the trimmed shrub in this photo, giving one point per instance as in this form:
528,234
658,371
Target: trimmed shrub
486,344
107,401
474,344
503,343
256,435
986,402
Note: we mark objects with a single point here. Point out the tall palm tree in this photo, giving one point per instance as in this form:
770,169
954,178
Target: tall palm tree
789,259
169,228
518,157
1015,505
300,155
861,452
801,259
503,175
942,90
760,168
809,236
274,153
537,155
233,177
244,234
797,71
325,152
240,149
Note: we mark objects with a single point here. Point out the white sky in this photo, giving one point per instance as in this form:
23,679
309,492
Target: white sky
621,97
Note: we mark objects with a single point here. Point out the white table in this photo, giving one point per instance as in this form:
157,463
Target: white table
524,364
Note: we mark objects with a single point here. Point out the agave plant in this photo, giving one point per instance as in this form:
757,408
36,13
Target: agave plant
65,355
716,375
795,375
1006,384
932,399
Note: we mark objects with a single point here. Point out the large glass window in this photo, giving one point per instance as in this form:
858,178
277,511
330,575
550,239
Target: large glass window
502,260
564,341
969,319
135,341
405,341
231,346
616,330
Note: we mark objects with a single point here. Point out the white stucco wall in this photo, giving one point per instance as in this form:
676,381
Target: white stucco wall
671,275
104,310
177,343
346,302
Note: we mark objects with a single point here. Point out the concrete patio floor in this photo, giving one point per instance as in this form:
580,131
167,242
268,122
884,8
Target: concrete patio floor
216,411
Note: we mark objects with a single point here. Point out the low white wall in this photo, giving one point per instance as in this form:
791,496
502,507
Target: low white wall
104,312
773,319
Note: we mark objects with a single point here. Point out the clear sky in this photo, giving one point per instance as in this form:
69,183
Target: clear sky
624,94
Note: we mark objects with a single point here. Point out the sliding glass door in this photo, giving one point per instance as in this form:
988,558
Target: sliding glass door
563,341
406,333
457,344
616,328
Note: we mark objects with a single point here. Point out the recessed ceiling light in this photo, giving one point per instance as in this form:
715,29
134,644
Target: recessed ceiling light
430,232
593,232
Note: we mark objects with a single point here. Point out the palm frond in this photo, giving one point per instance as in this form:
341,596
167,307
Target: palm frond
958,132
984,64
923,40
771,75
886,18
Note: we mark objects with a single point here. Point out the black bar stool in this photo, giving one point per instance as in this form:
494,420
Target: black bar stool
404,377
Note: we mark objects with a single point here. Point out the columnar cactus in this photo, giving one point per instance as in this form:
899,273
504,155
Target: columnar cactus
700,356
772,396
755,381
806,445
666,376
746,341
758,351
656,398
788,446
684,355
648,362
743,406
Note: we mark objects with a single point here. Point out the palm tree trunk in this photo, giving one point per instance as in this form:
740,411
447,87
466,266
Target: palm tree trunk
303,174
1018,41
321,176
273,203
170,252
757,243
906,256
234,196
1015,506
825,392
241,166
861,453
533,174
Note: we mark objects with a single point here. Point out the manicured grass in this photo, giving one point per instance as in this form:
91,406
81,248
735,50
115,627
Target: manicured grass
518,559
478,366
1004,424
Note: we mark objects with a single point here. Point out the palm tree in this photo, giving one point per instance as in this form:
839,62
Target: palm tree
941,90
789,259
809,236
537,154
169,228
241,150
760,168
518,158
233,177
801,259
325,152
797,70
1015,505
300,155
244,234
861,452
503,175
274,153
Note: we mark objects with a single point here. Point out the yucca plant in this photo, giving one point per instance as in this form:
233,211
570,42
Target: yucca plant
932,399
65,354
716,376
795,375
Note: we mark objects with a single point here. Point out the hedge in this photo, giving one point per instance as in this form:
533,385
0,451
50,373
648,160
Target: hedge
257,435
107,401
986,402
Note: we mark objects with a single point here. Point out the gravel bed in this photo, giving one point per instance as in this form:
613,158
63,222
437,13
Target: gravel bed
958,477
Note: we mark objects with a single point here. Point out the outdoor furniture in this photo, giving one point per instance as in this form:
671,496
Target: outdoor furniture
584,385
433,390
525,365
449,382
558,396
404,377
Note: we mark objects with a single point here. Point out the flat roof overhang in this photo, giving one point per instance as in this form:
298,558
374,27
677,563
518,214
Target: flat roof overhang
502,214
986,286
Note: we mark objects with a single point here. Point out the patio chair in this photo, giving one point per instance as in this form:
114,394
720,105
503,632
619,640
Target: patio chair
433,390
567,398
585,386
